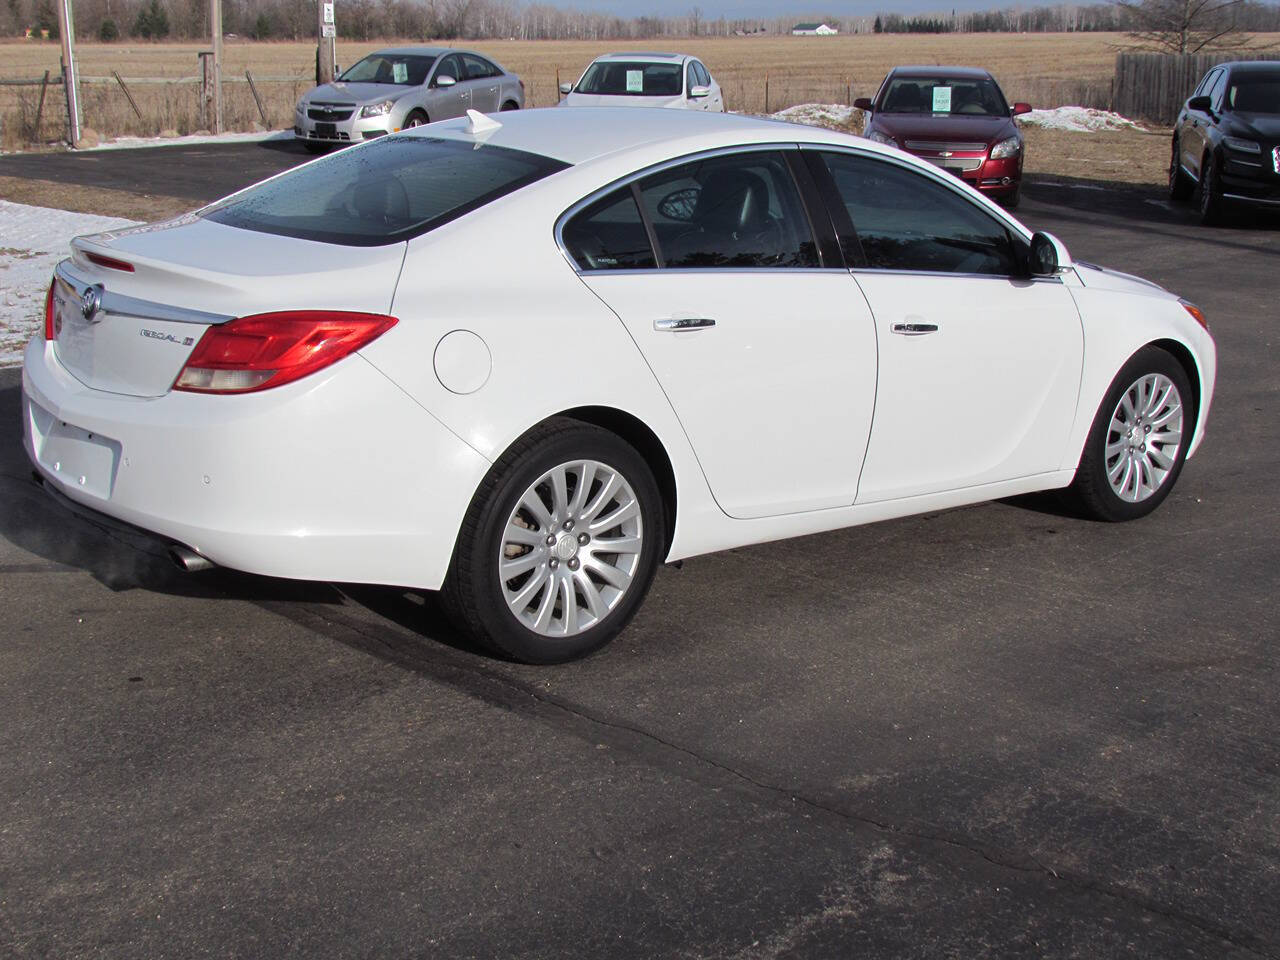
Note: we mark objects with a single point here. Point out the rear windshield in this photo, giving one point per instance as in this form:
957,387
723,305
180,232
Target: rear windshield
400,69
385,191
973,97
616,78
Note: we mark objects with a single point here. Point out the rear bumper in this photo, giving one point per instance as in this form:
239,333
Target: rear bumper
340,476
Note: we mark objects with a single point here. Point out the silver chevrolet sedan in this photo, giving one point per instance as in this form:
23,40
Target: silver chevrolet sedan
401,87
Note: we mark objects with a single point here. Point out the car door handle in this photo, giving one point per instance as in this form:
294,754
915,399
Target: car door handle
914,329
676,324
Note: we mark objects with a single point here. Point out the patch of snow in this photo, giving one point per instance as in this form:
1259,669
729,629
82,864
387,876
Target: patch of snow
1079,120
32,241
817,114
128,143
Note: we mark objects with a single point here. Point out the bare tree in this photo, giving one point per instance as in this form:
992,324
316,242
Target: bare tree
1181,26
695,20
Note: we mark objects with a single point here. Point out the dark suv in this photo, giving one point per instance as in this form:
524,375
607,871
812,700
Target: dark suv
1226,144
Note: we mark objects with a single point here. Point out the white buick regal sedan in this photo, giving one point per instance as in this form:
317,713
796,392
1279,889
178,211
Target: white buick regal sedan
524,362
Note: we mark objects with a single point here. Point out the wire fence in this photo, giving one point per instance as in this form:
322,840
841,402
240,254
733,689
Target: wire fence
33,109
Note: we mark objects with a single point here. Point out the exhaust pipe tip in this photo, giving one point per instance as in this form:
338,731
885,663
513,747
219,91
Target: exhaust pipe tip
189,561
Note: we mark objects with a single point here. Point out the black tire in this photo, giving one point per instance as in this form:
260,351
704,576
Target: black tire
509,105
1091,491
1011,201
473,594
1209,195
315,147
416,118
1180,185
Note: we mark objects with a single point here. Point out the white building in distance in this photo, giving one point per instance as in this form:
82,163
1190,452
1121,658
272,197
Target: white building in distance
813,30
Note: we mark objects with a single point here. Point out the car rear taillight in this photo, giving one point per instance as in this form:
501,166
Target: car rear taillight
111,263
270,349
50,333
1196,312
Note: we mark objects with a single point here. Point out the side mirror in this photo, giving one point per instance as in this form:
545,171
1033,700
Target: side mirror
444,80
1048,256
1202,104
697,93
1020,108
863,103
566,88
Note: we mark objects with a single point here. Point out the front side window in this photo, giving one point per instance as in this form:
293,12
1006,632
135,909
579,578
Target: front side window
907,221
739,210
1219,88
951,95
609,235
384,191
1255,93
397,69
704,78
450,66
618,78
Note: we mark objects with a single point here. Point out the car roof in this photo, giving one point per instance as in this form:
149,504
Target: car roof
586,133
420,51
1252,66
641,55
968,73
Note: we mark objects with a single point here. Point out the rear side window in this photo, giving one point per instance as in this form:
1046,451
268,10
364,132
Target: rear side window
906,221
386,191
478,68
739,210
609,235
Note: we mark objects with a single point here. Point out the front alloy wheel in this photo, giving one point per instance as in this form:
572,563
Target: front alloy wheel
1138,441
559,546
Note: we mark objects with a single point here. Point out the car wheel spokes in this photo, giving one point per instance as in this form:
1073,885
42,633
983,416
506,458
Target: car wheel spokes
571,548
1143,437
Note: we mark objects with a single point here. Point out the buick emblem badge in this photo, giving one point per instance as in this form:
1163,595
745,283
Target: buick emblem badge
91,302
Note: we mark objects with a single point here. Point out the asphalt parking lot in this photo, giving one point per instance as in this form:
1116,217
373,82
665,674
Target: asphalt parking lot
989,732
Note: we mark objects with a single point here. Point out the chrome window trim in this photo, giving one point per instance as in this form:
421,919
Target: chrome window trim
703,271
667,165
121,305
1006,277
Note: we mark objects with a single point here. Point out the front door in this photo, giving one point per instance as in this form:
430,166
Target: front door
444,102
768,360
979,363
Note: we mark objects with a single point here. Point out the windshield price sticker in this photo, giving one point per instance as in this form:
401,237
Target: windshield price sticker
635,81
941,99
400,72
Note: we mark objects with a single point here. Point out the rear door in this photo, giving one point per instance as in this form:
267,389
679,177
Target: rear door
979,363
767,356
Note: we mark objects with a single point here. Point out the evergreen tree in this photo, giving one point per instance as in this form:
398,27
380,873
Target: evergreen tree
108,32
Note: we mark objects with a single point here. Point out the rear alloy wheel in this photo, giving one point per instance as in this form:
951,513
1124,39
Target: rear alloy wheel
1180,185
1138,441
509,105
559,546
1210,196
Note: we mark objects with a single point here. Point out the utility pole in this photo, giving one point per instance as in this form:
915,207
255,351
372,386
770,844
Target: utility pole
326,56
215,23
66,29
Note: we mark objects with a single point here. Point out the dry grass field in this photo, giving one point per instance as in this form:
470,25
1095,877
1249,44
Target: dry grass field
1046,69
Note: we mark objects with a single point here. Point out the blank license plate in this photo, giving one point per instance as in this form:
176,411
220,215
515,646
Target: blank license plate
327,130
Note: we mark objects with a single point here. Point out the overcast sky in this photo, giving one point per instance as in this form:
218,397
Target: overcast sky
734,9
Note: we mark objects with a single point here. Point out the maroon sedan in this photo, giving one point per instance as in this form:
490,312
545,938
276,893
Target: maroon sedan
955,117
